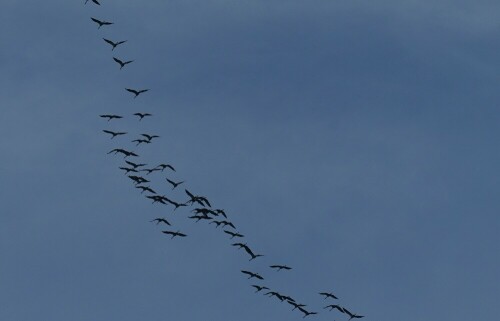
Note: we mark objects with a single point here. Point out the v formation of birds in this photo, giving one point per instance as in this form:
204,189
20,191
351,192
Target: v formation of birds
201,207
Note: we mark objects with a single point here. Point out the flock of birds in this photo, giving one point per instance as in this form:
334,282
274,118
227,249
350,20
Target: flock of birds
201,207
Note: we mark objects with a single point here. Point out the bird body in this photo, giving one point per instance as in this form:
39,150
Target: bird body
114,44
252,275
101,22
109,117
122,63
142,115
136,92
114,134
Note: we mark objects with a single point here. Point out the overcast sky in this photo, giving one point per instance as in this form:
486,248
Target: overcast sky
355,141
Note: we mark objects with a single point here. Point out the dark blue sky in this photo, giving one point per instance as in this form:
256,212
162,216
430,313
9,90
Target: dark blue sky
356,141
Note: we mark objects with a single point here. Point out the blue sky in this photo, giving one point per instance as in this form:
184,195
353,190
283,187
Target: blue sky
355,141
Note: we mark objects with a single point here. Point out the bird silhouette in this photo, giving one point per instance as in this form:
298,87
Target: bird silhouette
221,212
149,170
163,166
295,304
138,179
128,170
252,275
113,134
280,267
94,1
276,294
328,295
109,117
141,141
203,201
174,234
124,152
134,165
260,288
136,92
233,235
150,137
122,63
160,220
114,44
142,115
334,306
306,313
146,189
253,255
101,22
177,205
352,315
174,184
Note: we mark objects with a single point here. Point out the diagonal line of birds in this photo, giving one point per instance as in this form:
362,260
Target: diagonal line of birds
203,210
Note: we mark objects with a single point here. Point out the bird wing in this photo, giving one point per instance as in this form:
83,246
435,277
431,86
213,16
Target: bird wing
118,60
96,20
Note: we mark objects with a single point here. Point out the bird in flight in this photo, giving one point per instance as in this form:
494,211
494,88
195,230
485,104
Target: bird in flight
113,134
128,170
162,166
174,184
253,255
109,117
142,115
352,315
114,44
233,235
296,305
94,1
328,295
252,275
124,152
122,63
174,234
160,220
134,165
280,267
146,189
203,201
150,137
306,313
141,141
136,92
260,288
334,306
101,23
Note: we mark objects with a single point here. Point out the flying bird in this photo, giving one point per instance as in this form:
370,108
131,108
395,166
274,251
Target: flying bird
134,165
280,267
149,170
114,44
136,92
276,294
128,170
233,235
203,201
124,152
296,305
260,288
334,306
162,166
328,295
252,275
352,315
174,234
249,251
306,313
150,137
160,220
122,63
94,1
142,115
101,23
174,184
109,117
113,134
146,189
141,141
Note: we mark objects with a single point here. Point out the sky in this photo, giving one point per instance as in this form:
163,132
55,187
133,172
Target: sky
355,141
